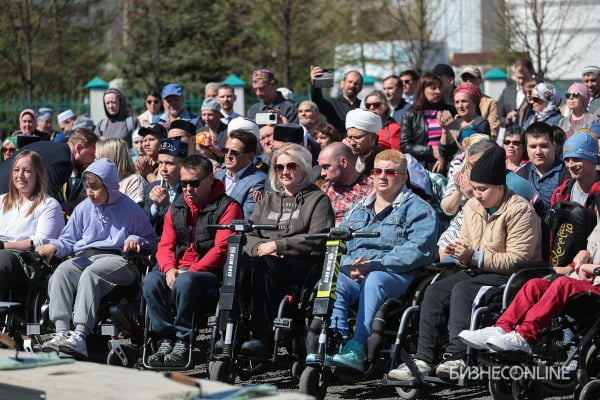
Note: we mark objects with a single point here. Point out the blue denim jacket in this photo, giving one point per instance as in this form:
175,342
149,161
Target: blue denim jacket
408,230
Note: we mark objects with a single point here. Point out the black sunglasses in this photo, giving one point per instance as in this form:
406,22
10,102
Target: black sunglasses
377,104
193,183
290,167
572,95
234,153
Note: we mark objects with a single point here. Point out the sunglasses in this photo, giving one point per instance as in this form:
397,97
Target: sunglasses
234,153
152,102
290,167
536,100
193,183
8,149
572,95
388,172
513,142
377,104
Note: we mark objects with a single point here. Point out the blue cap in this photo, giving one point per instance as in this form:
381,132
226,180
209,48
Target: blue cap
581,145
466,132
172,89
173,147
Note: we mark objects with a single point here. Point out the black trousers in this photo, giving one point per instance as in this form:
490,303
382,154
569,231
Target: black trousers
11,273
447,305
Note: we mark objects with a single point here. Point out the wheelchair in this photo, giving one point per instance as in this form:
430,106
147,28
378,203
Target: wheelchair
486,311
230,322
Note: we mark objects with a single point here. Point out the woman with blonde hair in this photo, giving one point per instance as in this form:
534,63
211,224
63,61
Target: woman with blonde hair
130,184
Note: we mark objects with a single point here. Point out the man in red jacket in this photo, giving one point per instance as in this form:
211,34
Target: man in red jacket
190,258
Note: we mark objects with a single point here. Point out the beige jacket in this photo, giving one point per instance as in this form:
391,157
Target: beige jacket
489,111
512,234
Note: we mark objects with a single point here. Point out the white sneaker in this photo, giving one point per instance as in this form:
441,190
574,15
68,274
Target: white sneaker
54,343
512,341
402,373
75,343
477,339
445,368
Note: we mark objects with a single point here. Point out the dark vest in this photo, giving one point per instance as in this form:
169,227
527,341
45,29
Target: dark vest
204,239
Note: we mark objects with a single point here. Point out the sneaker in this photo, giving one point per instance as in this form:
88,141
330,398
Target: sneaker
402,373
75,343
477,339
312,358
351,355
512,341
158,358
180,355
55,342
256,348
449,366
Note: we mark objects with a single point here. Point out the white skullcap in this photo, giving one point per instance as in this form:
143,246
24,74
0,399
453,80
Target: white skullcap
363,120
65,115
243,124
590,68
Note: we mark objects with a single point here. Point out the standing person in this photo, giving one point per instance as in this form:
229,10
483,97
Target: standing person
28,125
393,90
276,258
190,259
409,79
421,130
308,115
591,79
513,96
227,98
173,104
446,74
117,124
66,119
577,98
389,135
29,217
264,85
101,227
545,101
335,109
153,107
488,107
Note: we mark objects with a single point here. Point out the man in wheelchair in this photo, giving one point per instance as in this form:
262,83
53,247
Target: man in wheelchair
190,258
100,228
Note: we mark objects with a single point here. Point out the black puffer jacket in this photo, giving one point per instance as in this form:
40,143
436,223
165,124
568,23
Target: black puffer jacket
414,136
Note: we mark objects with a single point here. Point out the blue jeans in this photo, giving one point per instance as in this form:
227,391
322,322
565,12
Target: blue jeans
370,294
188,291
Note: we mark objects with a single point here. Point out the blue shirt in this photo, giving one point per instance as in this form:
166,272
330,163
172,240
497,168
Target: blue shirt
546,183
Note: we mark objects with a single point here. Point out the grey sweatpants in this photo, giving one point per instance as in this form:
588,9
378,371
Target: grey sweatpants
90,283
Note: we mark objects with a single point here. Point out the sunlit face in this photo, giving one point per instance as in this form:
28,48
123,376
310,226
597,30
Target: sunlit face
226,98
138,144
151,145
95,190
487,195
465,107
235,156
169,166
307,115
173,104
361,142
45,125
392,91
522,75
84,155
111,103
386,184
323,140
580,168
513,146
210,93
266,138
537,104
592,83
433,93
211,118
331,167
351,85
28,124
408,84
265,90
24,176
201,193
541,151
288,173
375,105
575,101
153,104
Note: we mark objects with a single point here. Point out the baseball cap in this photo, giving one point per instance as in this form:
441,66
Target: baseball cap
172,89
154,129
471,70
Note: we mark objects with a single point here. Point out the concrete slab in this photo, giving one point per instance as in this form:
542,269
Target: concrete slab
87,380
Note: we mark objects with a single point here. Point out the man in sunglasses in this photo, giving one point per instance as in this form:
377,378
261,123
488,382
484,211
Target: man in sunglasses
190,259
161,193
240,176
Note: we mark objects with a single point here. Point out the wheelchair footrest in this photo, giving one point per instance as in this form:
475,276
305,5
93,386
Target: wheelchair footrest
283,323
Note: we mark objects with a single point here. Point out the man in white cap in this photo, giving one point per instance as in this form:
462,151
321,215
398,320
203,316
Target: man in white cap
487,105
591,79
66,120
362,128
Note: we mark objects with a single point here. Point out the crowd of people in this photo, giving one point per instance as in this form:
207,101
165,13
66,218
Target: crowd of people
439,169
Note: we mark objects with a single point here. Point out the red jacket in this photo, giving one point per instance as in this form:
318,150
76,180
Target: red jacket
563,192
389,136
214,259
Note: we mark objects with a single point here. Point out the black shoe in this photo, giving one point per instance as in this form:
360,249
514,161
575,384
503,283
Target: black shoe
256,348
158,359
179,357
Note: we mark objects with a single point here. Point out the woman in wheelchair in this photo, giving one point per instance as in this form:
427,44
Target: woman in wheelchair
100,228
29,217
376,269
537,302
273,259
499,228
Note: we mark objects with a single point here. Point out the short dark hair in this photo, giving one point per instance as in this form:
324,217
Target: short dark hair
226,86
524,63
538,129
196,162
327,130
413,74
398,83
247,138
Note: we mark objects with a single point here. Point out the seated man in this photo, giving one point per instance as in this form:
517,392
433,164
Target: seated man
102,226
240,176
375,269
188,268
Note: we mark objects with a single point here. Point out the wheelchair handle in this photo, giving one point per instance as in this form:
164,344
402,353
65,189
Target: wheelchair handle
341,235
131,254
246,226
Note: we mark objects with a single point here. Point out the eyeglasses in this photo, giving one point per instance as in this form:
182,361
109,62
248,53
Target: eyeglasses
193,183
152,102
377,104
388,172
513,142
290,167
572,95
357,138
536,99
234,153
8,149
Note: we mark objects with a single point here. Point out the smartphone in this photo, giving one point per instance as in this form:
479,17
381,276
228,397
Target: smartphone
325,80
81,262
266,118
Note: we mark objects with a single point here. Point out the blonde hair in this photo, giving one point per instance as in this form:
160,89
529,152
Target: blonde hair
394,156
117,151
301,156
41,185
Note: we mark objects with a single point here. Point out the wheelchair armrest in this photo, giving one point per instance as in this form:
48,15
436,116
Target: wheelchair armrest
531,265
439,266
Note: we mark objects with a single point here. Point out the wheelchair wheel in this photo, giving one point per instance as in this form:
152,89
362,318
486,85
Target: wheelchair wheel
221,371
113,358
500,389
408,393
590,391
314,382
296,371
246,369
592,360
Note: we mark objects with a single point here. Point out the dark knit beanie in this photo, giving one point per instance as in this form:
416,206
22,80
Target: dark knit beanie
491,167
